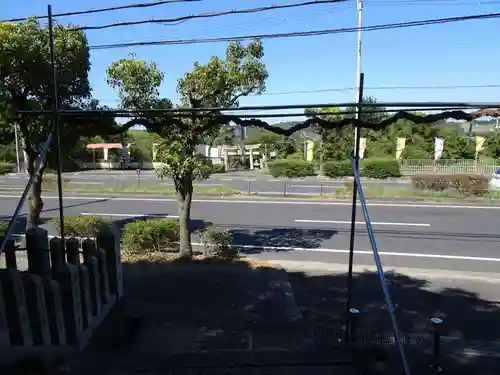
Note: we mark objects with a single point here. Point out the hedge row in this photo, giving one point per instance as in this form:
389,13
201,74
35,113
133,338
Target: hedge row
150,235
371,168
291,168
6,168
464,183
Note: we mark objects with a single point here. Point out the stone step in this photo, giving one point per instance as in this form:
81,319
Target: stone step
340,361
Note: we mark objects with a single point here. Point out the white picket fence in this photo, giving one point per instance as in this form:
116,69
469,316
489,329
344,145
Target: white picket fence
446,166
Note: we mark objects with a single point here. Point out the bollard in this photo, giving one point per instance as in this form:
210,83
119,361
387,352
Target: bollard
284,188
321,190
352,327
138,171
436,344
249,187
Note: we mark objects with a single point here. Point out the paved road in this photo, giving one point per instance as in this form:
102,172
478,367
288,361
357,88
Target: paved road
243,181
460,238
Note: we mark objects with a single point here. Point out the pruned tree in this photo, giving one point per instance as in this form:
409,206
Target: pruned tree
219,83
25,74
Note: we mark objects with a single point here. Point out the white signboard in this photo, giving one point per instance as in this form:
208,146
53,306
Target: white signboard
438,148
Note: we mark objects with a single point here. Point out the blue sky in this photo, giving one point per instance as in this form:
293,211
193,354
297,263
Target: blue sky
451,54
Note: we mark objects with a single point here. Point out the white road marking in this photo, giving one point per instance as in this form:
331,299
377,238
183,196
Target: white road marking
86,183
266,202
364,252
225,179
344,251
126,215
317,186
362,222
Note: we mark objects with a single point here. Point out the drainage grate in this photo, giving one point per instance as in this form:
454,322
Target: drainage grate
328,334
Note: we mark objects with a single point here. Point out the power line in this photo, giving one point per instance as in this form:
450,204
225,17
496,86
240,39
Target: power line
209,15
300,33
101,10
344,89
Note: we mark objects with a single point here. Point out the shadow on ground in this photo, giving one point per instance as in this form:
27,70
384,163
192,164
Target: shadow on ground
257,240
214,305
465,314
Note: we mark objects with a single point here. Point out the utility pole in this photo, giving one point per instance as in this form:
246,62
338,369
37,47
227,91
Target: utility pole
17,149
358,70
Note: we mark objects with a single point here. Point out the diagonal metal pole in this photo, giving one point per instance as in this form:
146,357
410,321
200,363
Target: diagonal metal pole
55,107
357,131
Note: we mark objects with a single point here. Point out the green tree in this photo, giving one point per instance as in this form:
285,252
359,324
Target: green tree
329,139
457,145
25,75
219,83
491,147
138,82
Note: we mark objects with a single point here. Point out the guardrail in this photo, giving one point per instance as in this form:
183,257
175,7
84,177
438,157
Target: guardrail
380,269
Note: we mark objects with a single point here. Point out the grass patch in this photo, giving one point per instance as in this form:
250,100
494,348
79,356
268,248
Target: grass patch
139,189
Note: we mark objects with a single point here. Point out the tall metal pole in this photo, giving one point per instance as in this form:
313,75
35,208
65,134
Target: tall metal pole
18,164
358,64
357,132
55,106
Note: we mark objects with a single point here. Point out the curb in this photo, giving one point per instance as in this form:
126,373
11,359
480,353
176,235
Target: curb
292,311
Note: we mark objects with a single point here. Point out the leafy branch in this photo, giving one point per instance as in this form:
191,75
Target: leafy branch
215,120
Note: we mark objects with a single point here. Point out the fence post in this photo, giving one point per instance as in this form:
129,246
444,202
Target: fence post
68,279
15,307
53,296
72,251
100,254
88,249
37,248
110,243
10,255
4,327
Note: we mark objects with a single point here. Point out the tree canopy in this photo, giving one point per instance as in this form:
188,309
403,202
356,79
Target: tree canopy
219,83
26,77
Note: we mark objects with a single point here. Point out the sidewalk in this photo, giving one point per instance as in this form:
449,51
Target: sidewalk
468,303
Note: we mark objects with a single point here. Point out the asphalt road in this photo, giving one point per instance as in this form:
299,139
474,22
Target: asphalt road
248,182
458,238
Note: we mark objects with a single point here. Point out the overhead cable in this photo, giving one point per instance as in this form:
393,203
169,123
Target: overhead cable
101,10
209,15
299,33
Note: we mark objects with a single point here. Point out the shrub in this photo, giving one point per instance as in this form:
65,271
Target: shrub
3,227
380,168
84,226
218,168
148,236
291,168
6,168
464,183
336,169
51,179
218,243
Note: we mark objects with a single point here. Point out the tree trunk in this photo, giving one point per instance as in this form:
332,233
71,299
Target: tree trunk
184,199
35,202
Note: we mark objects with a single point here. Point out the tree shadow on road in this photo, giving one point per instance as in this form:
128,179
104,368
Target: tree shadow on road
258,240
